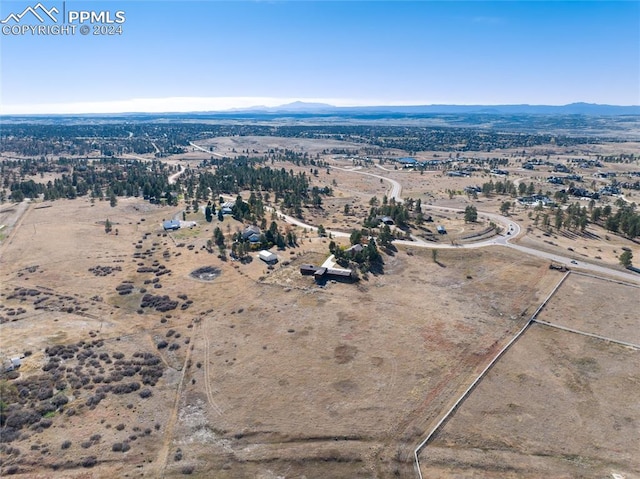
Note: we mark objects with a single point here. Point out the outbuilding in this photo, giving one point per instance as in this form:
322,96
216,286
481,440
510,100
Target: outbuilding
13,364
339,272
267,256
171,225
320,272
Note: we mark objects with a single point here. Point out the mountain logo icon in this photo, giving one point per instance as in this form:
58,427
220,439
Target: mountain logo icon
38,11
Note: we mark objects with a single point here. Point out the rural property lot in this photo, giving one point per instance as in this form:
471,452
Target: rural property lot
596,306
557,404
342,382
134,365
267,377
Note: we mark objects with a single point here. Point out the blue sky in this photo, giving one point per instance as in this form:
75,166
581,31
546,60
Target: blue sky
205,55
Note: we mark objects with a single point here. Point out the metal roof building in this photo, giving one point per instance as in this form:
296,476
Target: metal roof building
171,225
267,256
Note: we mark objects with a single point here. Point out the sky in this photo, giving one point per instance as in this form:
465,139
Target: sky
215,55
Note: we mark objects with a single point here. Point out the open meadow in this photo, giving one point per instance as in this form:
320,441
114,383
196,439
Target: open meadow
146,353
257,371
557,404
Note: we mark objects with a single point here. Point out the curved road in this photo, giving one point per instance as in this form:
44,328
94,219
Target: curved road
510,226
395,191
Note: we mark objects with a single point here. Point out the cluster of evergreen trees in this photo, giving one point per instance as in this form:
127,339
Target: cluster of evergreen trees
574,218
233,177
625,220
400,213
100,178
366,259
503,188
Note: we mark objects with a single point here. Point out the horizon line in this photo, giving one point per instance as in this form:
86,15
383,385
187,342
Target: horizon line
183,104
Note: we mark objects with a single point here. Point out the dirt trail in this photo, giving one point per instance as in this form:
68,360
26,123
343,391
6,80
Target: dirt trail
163,453
23,209
207,368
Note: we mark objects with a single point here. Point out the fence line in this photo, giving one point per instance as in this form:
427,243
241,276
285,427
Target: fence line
481,376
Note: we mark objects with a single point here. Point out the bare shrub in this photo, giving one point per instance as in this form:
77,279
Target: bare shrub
89,461
178,455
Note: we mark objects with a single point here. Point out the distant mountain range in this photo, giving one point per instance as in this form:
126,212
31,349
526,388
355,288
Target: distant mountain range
570,109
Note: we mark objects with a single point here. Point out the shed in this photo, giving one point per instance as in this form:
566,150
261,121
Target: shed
171,225
267,256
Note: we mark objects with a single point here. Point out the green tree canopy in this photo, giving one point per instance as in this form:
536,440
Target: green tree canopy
470,214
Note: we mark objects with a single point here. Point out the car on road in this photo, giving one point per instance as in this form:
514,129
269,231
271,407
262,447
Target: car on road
573,261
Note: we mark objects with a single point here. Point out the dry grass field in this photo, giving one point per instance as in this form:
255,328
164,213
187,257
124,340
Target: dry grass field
557,404
263,371
134,368
596,306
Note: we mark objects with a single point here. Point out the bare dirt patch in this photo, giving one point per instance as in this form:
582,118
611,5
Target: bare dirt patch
206,273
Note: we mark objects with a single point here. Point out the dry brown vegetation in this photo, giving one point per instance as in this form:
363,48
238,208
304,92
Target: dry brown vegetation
262,372
274,375
557,404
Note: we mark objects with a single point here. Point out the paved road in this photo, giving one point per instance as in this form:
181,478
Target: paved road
509,226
